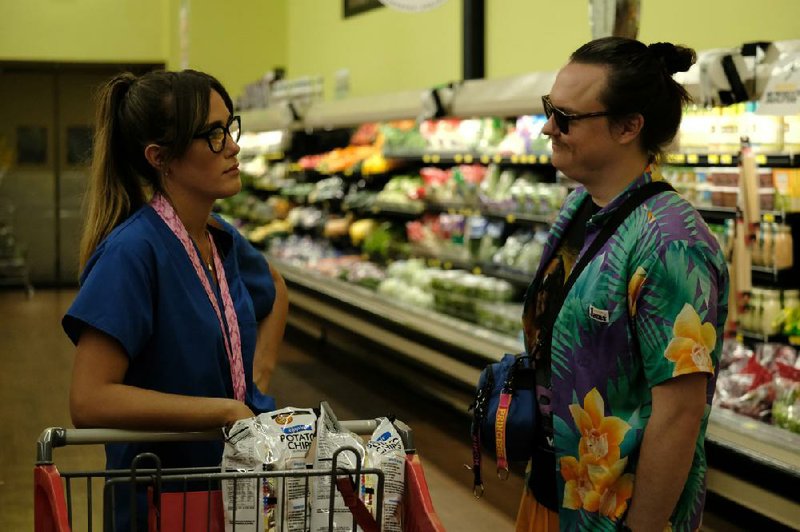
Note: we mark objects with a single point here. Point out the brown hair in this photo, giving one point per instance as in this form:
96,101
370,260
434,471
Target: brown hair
164,108
640,81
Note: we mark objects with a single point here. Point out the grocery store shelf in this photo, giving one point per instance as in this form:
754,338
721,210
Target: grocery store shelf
752,337
414,104
749,456
520,218
766,276
510,96
729,159
716,215
516,278
461,157
483,345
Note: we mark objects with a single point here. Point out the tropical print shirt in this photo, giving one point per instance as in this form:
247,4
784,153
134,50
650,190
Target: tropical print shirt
650,306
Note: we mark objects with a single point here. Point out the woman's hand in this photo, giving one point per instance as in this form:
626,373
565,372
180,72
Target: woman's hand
238,410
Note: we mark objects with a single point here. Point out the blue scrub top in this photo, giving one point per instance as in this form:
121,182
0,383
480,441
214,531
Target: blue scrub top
140,288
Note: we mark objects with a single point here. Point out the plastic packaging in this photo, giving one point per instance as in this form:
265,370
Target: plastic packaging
330,437
385,451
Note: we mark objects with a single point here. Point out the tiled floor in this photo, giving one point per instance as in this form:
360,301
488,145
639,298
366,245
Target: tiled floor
35,362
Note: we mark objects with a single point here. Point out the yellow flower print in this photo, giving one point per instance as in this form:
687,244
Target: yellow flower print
692,343
600,435
635,288
596,488
612,489
578,485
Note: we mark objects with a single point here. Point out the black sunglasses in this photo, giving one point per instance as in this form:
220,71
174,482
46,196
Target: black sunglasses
218,135
563,119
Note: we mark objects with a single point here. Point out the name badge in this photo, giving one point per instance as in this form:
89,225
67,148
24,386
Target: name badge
598,314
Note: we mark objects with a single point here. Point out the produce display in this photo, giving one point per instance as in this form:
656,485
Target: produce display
511,192
491,218
401,192
763,383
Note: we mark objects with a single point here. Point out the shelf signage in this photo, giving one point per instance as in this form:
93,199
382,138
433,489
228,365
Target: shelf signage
782,95
413,6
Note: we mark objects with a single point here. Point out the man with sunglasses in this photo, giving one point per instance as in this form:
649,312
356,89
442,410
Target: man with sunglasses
626,377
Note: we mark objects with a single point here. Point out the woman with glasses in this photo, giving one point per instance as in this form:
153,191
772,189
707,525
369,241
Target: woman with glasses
178,319
626,357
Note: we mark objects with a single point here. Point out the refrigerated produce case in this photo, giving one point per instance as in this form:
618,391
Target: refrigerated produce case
752,464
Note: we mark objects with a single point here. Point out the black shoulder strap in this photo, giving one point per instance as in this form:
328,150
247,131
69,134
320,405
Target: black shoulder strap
633,201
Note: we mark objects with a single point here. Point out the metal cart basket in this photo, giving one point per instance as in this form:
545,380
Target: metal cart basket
172,506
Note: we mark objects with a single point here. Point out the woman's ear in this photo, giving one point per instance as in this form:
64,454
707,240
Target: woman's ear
155,156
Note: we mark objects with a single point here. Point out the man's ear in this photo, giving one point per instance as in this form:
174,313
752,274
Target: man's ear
628,128
155,156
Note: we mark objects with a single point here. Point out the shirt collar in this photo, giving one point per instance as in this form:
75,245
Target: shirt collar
647,176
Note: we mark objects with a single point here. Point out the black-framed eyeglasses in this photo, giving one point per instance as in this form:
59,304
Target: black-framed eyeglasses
562,119
218,135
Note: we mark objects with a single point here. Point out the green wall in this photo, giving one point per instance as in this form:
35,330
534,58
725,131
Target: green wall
83,30
385,50
516,42
237,41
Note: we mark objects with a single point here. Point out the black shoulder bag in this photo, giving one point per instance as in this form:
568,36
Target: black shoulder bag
505,407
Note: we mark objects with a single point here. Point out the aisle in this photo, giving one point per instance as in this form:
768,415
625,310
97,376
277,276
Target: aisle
35,363
35,367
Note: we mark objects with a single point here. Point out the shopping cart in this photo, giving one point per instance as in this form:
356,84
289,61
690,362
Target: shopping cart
201,510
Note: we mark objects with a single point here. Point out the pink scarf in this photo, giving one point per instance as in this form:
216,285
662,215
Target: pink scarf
231,338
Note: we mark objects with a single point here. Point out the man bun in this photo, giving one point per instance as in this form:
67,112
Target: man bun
674,58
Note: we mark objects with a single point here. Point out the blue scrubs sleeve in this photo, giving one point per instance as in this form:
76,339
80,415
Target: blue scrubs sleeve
116,295
255,275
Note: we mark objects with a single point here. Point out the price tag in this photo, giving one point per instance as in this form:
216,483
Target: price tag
476,270
692,158
782,93
761,159
713,158
448,265
434,263
515,159
485,159
435,158
458,158
676,158
376,210
794,340
726,158
348,172
498,158
544,159
739,338
510,218
468,158
426,158
768,217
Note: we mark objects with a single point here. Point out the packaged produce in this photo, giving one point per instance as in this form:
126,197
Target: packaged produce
786,408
